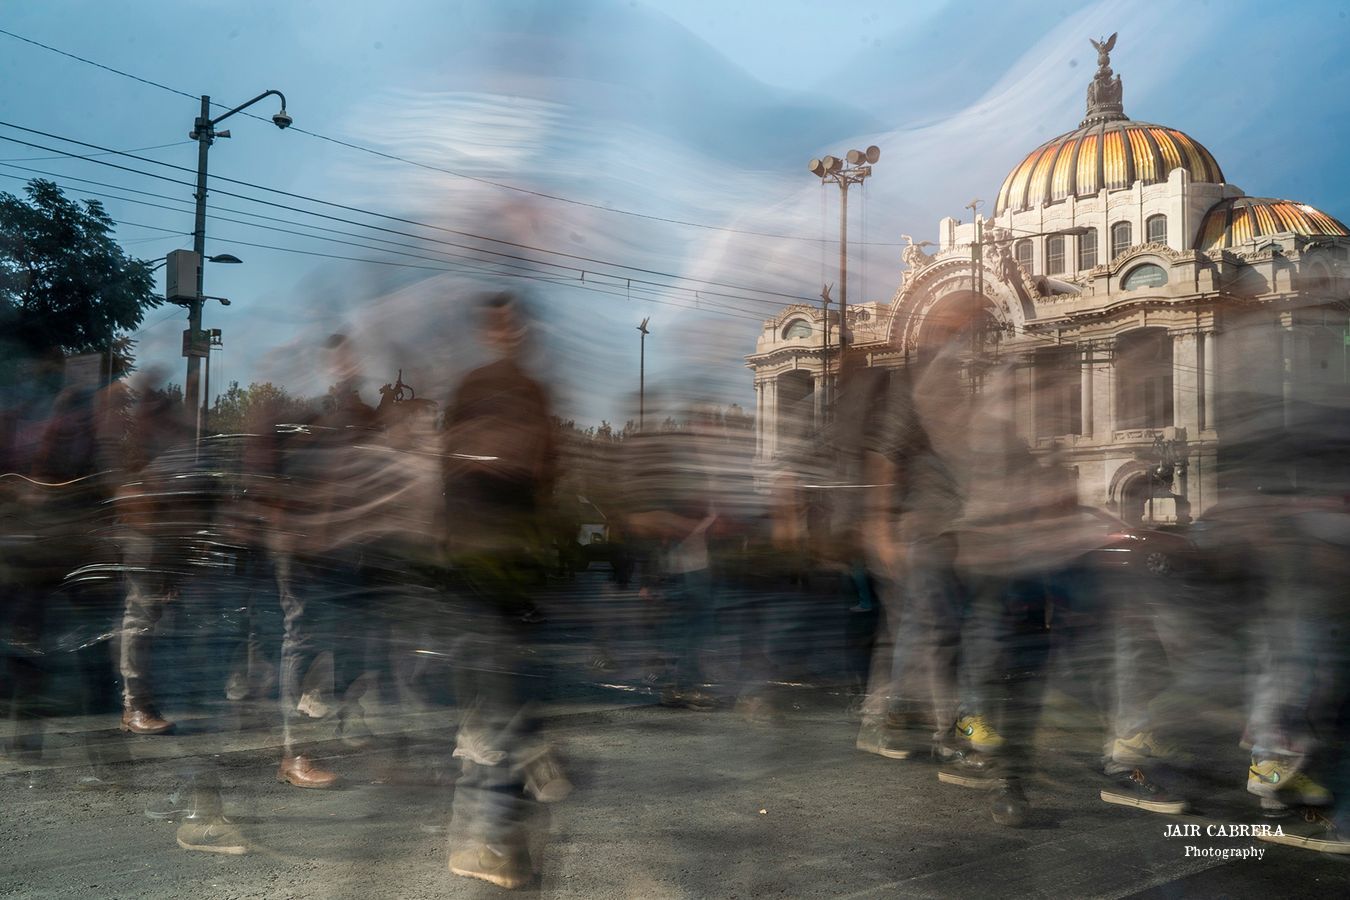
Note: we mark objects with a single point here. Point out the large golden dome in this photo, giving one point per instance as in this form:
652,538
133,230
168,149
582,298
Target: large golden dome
1107,150
1112,155
1232,222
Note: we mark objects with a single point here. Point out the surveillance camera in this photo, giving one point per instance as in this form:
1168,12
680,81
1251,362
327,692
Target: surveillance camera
281,120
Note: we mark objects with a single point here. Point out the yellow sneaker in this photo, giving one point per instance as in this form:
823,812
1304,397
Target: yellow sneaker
1281,781
978,733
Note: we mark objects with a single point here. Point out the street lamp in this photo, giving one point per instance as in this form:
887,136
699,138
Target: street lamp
204,133
642,375
853,169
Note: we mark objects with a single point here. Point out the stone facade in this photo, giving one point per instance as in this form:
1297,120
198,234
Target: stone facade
1123,360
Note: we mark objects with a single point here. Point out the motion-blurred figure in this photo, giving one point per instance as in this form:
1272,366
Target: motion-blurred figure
500,460
318,562
161,433
670,514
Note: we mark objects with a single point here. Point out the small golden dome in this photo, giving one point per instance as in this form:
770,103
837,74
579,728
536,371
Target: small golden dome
1241,219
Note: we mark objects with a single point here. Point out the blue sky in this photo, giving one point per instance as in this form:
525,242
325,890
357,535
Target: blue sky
699,111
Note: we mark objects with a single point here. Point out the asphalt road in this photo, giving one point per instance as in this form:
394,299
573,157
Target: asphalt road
668,803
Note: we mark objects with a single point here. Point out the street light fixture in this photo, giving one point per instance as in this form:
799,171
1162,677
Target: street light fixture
855,168
204,133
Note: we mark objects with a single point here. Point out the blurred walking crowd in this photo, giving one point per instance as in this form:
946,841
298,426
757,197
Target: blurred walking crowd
411,542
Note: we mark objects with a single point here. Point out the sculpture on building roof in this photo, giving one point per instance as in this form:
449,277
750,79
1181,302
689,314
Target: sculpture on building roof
913,254
1105,96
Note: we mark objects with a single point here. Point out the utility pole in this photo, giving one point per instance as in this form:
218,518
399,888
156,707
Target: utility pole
857,170
204,133
642,375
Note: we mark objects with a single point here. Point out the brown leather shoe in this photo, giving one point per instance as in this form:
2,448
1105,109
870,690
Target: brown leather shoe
301,772
144,721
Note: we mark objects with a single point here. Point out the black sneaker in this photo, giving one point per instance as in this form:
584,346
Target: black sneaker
1138,790
1316,832
1009,804
970,770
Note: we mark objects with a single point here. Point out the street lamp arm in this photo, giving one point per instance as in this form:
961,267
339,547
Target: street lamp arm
243,106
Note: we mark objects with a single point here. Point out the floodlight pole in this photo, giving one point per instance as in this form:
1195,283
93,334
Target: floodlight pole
856,171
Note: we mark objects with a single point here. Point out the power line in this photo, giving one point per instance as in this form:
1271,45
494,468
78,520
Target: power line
581,271
364,246
421,165
399,219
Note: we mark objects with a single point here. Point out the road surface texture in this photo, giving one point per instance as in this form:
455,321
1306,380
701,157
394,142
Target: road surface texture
668,803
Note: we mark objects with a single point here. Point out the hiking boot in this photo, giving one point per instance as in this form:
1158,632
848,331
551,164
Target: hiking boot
978,734
1136,789
303,773
875,737
215,835
1284,783
1009,804
1316,832
144,720
504,865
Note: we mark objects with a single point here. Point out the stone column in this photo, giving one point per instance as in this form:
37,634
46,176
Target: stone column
759,420
1288,361
1085,392
1186,382
1208,350
1103,394
771,418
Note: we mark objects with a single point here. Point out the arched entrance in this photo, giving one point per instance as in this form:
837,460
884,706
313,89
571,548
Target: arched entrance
960,335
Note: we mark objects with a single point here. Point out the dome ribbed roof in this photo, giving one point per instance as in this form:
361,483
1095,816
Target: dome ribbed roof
1112,155
1236,221
1107,150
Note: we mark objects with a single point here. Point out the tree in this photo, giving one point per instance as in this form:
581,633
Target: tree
257,406
65,284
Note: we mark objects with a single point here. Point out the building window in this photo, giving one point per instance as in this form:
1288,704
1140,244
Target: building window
1054,254
1121,238
798,328
1022,250
1059,393
1156,229
1144,379
1087,250
1147,275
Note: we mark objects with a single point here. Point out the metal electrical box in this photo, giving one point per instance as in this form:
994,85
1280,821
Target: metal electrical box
180,275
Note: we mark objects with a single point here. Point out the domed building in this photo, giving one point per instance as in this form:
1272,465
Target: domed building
1161,324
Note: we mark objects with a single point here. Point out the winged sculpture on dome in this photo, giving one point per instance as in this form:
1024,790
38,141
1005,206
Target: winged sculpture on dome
1104,93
